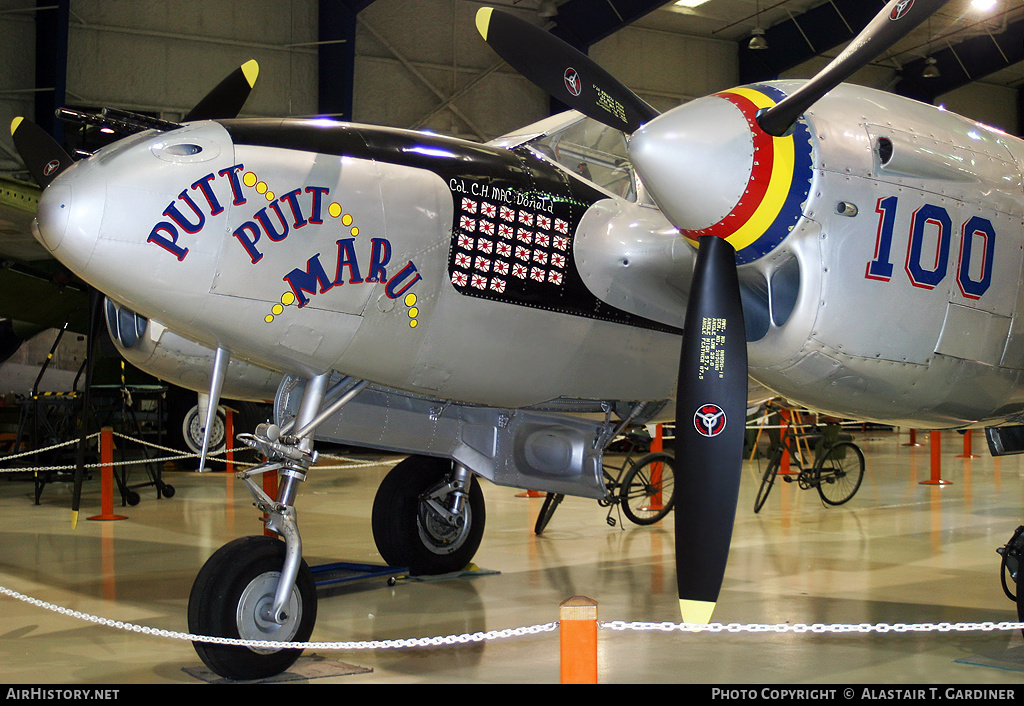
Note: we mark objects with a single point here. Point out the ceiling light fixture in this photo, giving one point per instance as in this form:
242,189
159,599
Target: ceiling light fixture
931,69
757,41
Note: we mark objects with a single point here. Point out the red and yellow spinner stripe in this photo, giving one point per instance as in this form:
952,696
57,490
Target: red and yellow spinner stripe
778,185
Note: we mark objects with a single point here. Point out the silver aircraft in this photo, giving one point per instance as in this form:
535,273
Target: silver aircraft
503,310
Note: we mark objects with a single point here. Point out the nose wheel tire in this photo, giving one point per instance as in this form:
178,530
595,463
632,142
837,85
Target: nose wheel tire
232,597
409,528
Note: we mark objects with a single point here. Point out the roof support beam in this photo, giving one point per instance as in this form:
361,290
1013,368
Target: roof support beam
337,55
802,37
53,18
971,60
583,23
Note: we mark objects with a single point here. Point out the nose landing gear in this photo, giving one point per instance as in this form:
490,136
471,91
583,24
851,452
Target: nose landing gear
233,597
260,588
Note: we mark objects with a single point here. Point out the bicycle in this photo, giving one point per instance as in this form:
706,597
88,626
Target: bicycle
835,468
644,488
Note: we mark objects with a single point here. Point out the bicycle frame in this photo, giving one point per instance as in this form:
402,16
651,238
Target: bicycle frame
822,469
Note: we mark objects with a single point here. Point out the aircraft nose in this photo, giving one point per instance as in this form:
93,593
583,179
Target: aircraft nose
52,217
67,219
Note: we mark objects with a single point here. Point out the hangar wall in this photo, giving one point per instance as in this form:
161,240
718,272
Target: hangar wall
419,64
423,65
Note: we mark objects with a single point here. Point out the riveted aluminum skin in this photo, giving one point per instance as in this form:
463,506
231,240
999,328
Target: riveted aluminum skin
906,310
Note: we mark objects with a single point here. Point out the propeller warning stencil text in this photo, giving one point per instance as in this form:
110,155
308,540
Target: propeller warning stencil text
712,347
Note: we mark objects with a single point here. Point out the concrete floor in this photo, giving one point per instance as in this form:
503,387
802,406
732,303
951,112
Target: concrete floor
899,552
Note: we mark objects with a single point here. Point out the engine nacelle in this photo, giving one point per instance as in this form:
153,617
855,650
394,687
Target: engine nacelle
164,354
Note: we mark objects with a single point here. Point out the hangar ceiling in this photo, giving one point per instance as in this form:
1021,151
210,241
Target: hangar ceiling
961,44
968,43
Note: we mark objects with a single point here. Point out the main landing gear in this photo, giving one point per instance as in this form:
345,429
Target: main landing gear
428,516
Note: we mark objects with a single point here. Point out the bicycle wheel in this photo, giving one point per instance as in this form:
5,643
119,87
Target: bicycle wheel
648,490
767,481
839,472
551,501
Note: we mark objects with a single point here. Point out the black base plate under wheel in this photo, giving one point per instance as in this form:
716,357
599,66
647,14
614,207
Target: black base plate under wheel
230,598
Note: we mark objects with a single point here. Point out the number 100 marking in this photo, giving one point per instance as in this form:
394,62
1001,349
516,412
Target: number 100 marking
927,265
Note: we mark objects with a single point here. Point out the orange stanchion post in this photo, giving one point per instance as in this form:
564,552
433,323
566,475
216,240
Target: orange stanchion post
229,439
913,438
578,638
936,458
786,421
968,446
658,442
531,494
107,477
657,445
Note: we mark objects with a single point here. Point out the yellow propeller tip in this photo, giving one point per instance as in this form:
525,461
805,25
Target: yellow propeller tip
483,20
15,123
74,519
251,69
696,612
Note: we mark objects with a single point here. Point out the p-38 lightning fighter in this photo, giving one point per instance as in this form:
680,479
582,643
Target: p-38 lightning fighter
504,309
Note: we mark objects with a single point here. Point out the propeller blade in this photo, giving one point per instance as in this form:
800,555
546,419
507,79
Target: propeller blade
711,403
225,101
894,22
43,157
562,71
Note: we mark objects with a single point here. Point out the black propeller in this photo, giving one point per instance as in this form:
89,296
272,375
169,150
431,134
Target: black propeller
565,73
43,157
712,385
227,97
711,406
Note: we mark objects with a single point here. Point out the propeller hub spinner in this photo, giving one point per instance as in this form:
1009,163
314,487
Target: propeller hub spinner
713,171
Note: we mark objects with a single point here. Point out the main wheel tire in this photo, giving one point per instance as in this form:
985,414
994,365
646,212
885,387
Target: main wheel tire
409,533
839,472
229,596
192,431
648,492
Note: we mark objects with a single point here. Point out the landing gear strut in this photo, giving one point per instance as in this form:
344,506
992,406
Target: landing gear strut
259,588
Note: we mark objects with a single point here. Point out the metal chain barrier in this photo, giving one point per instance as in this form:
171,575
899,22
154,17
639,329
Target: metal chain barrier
270,644
817,628
349,463
617,625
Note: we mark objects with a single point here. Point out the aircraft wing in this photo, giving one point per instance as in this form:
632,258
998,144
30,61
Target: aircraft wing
18,203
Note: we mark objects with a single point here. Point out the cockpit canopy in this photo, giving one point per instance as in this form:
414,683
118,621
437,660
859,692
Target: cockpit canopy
584,147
